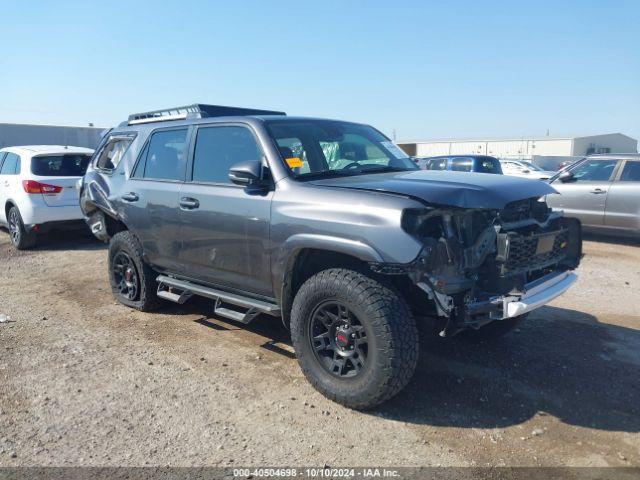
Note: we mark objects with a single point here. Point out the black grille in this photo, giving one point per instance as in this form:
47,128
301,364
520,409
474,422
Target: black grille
524,255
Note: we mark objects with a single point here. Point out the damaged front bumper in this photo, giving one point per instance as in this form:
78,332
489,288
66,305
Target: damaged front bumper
535,294
478,272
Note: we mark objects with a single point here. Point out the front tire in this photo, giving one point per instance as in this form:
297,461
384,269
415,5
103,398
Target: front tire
133,282
355,339
20,238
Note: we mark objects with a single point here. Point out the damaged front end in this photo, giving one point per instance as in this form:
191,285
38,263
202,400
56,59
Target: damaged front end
483,265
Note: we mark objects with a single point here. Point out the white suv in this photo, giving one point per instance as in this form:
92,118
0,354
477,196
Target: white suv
38,189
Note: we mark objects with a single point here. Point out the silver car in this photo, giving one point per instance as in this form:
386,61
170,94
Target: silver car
602,191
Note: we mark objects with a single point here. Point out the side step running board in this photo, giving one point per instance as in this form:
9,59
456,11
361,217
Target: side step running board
180,291
242,317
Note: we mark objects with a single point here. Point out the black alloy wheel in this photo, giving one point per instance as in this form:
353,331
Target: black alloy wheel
339,339
126,276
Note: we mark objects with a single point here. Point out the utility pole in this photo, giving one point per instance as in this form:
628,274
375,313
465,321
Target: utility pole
393,133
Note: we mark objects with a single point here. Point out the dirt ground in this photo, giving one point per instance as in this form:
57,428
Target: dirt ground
86,381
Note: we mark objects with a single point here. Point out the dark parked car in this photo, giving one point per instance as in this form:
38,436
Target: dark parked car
603,192
327,225
461,163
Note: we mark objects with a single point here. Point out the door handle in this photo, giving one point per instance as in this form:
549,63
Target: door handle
188,203
130,197
598,191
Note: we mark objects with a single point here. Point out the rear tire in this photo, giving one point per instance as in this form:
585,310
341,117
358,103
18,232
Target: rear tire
133,282
355,339
495,329
20,238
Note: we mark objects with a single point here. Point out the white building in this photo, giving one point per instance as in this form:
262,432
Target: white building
17,134
541,150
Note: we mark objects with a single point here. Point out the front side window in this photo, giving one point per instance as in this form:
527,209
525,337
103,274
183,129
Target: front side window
112,152
166,155
488,165
631,172
69,165
594,171
11,164
219,148
328,148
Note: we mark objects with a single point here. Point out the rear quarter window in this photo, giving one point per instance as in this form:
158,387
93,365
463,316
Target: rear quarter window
11,164
113,151
68,165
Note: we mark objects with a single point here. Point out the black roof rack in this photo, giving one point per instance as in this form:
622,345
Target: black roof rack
197,110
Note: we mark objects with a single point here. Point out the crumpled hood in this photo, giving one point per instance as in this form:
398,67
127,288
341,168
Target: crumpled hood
456,189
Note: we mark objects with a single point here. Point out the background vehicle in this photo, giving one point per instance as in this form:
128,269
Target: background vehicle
38,189
602,191
328,225
522,168
566,163
462,163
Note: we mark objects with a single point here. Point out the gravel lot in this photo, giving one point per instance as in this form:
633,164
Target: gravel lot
86,381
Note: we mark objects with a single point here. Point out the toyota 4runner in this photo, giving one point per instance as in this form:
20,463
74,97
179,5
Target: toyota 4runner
327,225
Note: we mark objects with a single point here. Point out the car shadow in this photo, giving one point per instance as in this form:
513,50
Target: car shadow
558,362
72,239
605,238
277,338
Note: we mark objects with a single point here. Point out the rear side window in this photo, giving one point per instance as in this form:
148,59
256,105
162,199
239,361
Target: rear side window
166,155
461,164
438,164
11,165
631,172
111,154
218,149
70,165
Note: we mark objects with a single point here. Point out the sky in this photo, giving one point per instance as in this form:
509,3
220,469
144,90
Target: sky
416,70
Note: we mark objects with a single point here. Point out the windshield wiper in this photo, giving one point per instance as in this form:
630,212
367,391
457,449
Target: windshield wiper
327,174
387,169
351,172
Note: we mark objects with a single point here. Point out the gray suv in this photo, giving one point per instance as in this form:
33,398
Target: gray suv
327,225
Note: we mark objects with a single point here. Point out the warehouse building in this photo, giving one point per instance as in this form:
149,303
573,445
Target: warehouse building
16,134
545,151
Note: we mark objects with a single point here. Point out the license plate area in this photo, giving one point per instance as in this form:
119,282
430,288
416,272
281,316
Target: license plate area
545,244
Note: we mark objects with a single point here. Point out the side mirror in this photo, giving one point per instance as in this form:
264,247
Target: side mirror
247,173
565,177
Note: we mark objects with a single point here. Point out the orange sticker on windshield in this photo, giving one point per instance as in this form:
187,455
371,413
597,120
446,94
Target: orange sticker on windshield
294,162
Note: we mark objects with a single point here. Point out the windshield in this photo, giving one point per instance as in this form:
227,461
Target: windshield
71,165
531,166
317,148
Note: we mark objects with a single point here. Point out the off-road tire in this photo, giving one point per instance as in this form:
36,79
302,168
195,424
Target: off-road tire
20,238
495,329
146,298
393,351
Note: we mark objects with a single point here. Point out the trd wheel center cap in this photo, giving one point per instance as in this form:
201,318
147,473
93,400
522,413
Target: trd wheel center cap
344,338
128,275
